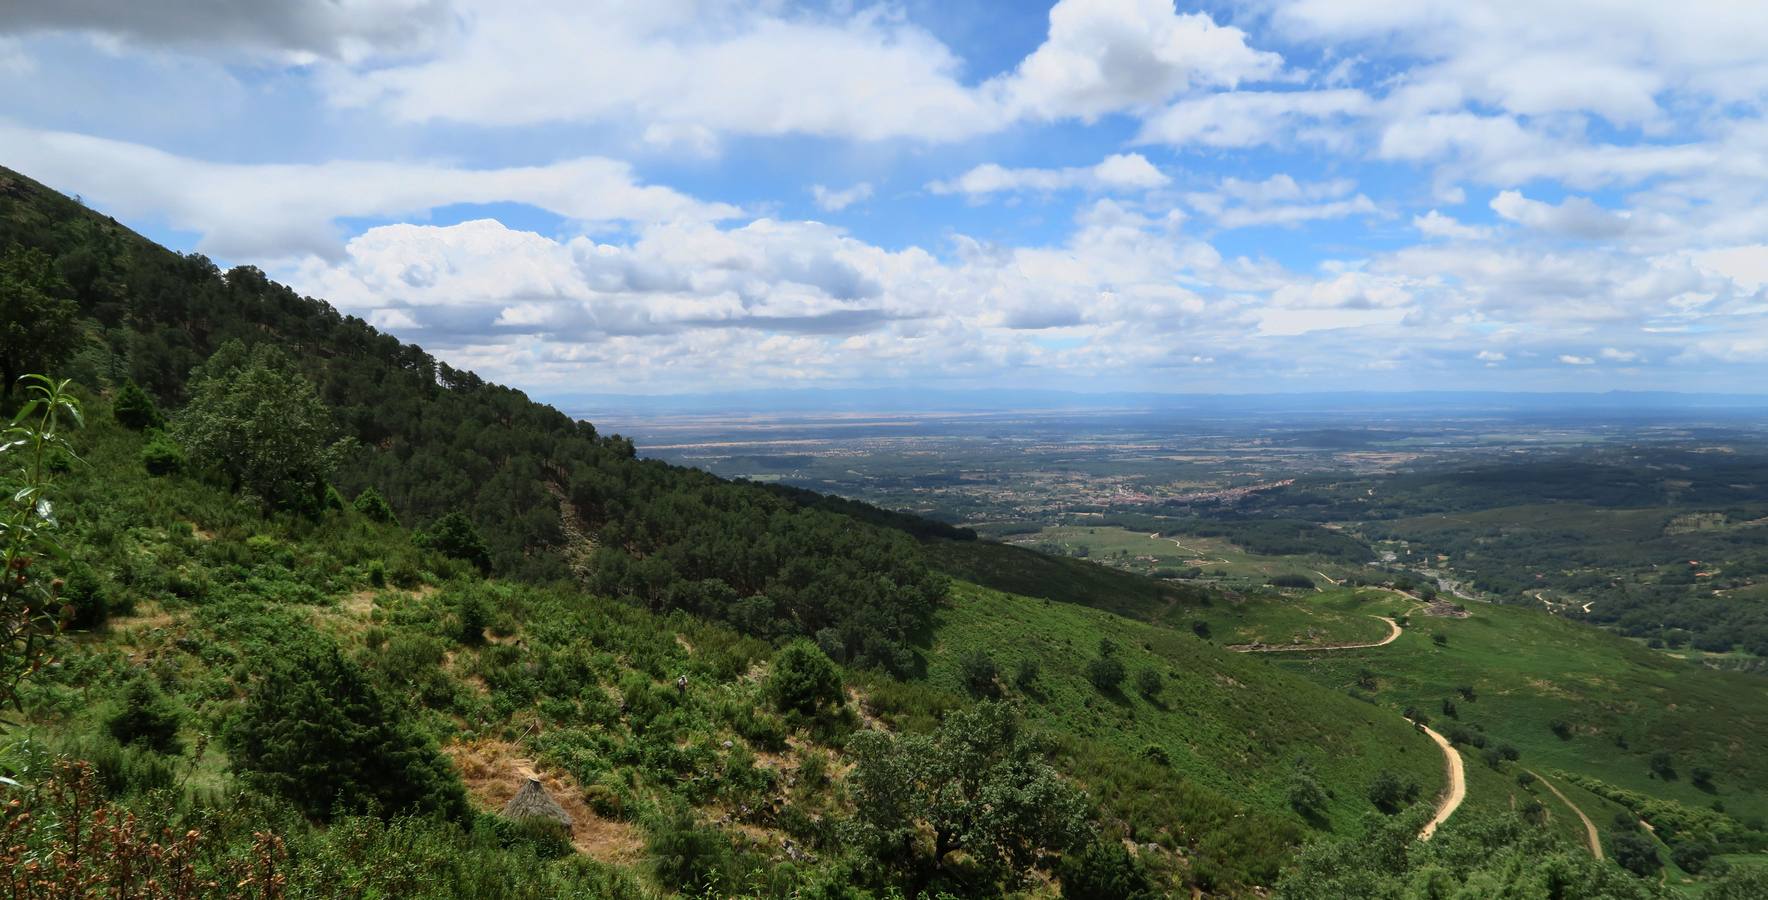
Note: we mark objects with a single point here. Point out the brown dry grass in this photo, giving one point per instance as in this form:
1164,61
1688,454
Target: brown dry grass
494,770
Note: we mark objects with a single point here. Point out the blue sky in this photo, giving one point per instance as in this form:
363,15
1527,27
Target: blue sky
695,195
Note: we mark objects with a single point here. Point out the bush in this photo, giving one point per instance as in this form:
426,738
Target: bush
454,535
1026,675
1302,582
84,606
135,409
1662,766
1636,853
314,730
1104,871
685,854
1692,856
147,718
978,672
1149,683
1390,793
160,456
374,507
1305,795
1561,729
1107,673
803,679
474,616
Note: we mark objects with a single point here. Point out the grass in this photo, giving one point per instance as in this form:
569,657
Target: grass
1223,563
1232,722
1530,669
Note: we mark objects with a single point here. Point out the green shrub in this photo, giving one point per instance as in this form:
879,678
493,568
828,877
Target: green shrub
1104,871
1106,673
374,507
160,456
1149,683
135,409
84,604
1636,853
146,718
979,673
314,730
474,616
454,535
1390,793
803,679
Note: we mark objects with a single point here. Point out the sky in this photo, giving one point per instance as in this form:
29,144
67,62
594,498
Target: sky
686,196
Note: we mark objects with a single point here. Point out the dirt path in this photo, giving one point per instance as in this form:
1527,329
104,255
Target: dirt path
1457,791
1392,634
1594,839
1329,579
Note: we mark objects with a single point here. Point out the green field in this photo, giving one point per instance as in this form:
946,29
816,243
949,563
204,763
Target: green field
1529,669
1230,721
1222,563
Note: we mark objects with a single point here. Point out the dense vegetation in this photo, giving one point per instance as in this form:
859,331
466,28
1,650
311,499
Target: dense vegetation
431,439
325,602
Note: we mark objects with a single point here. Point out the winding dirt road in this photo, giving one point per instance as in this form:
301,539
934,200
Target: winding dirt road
1590,834
1451,798
1457,791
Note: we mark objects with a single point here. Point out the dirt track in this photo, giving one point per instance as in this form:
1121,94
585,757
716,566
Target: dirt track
1590,833
1457,791
1457,775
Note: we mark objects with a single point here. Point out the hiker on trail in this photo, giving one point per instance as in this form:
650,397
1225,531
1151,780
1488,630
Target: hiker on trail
681,684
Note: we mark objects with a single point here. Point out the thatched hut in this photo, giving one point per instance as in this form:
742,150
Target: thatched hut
533,804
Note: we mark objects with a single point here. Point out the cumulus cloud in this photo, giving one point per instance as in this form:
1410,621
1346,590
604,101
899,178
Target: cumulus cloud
1572,360
270,211
1538,59
736,68
832,200
1436,225
1104,56
723,67
1574,217
1118,172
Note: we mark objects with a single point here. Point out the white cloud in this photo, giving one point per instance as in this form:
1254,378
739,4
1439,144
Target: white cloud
1280,200
1575,217
832,200
1536,59
722,67
1104,56
1251,118
1614,355
1571,360
1118,172
1746,265
281,210
1435,224
1491,356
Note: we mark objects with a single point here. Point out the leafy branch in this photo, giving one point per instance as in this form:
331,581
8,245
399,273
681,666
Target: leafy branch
27,528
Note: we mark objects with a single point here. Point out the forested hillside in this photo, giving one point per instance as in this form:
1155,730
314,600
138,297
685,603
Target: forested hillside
433,440
295,610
